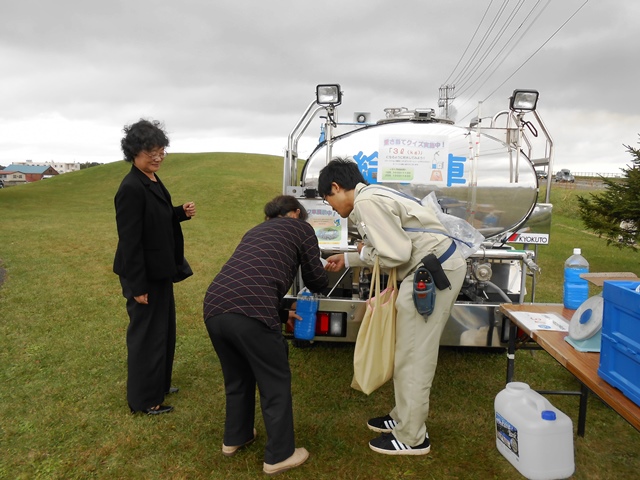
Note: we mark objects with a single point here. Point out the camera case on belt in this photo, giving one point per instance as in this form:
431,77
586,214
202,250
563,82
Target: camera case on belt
432,264
424,291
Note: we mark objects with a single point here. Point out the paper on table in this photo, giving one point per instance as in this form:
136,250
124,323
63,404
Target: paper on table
541,321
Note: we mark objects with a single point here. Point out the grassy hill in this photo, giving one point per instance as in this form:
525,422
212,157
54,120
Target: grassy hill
63,411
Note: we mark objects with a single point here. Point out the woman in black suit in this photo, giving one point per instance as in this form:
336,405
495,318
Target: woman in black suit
150,251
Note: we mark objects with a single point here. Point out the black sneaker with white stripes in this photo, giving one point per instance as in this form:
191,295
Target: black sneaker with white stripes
388,445
382,424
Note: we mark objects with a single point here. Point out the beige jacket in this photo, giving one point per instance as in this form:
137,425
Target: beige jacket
380,214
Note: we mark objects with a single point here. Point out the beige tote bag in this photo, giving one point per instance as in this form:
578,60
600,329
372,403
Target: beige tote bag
376,342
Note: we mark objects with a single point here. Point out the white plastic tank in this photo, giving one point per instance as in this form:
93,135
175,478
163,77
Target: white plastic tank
532,434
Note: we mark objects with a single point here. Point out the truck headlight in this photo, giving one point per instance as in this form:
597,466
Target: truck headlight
328,94
523,100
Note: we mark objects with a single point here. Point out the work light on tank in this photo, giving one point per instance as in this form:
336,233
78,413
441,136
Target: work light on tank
523,100
328,95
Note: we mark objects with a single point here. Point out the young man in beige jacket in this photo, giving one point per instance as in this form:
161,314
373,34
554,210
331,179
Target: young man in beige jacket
400,231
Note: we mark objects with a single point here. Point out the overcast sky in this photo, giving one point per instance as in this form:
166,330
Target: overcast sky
237,75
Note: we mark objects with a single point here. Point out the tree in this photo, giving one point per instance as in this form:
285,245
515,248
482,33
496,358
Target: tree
89,165
615,213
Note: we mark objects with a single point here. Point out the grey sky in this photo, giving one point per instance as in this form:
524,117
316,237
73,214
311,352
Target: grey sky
236,75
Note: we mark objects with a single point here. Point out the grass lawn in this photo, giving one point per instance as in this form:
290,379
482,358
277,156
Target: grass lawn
63,410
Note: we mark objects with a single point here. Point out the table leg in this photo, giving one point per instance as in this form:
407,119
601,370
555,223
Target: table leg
511,350
582,415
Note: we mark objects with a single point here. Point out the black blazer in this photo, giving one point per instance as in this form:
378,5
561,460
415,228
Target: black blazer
150,241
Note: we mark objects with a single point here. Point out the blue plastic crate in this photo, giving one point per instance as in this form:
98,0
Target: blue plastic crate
620,350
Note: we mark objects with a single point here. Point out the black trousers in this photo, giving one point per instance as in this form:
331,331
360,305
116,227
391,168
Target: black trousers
151,344
251,353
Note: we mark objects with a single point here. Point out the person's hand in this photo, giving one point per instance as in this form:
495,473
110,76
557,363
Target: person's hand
189,209
292,318
143,299
335,263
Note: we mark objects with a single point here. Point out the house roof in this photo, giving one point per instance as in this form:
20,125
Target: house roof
28,168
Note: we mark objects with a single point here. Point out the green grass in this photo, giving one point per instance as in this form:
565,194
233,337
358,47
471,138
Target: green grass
63,411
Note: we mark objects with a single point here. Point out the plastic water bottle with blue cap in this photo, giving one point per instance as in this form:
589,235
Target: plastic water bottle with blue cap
575,289
306,307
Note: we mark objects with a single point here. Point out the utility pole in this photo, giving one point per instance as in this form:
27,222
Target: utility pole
447,95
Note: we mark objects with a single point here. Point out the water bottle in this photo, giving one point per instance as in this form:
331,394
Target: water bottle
306,307
576,289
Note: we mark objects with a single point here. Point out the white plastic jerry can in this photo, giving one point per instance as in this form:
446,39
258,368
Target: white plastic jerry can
532,434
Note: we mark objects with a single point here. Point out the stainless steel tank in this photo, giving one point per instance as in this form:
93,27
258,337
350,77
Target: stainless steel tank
485,175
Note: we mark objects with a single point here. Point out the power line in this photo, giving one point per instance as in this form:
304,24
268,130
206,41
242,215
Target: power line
482,41
506,44
513,46
531,56
470,42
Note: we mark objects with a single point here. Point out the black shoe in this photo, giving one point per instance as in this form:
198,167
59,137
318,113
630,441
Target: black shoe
160,409
389,445
172,390
382,424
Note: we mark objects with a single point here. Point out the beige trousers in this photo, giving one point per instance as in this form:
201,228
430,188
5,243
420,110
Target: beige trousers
416,357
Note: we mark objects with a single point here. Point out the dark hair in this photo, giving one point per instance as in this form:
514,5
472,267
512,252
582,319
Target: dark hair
283,204
341,171
143,135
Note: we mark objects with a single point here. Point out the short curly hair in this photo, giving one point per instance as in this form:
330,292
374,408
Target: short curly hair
143,135
283,204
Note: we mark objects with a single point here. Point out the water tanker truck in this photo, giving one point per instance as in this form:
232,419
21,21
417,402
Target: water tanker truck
484,173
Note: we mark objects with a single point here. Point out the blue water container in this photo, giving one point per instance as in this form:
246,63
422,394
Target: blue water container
306,307
575,289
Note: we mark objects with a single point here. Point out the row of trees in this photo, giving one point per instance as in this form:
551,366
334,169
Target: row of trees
88,165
